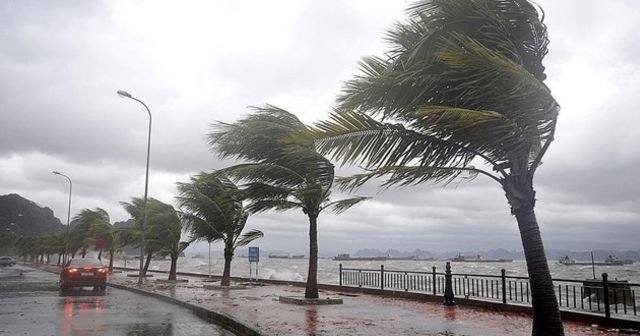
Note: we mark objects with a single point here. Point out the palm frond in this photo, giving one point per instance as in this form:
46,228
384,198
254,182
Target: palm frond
343,205
266,172
248,237
407,176
258,136
261,190
356,137
263,205
492,132
468,73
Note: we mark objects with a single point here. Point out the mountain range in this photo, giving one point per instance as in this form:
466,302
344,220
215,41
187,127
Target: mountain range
24,217
499,253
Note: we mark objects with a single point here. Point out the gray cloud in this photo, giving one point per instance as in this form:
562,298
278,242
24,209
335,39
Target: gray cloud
193,65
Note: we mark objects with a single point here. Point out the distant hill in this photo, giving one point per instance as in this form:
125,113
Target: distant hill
393,253
552,254
25,217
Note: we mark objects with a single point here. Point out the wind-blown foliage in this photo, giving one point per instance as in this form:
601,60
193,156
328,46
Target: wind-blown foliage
460,93
165,231
162,231
93,228
283,172
213,210
81,235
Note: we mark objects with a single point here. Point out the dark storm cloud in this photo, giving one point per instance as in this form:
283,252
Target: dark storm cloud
193,65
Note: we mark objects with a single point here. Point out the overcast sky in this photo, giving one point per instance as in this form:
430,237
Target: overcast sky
196,62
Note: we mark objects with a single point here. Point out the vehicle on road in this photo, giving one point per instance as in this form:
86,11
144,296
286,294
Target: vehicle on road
83,272
7,261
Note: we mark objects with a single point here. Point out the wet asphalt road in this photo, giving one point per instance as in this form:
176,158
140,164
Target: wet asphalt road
31,304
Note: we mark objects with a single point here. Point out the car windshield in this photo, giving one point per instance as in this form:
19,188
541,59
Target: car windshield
85,263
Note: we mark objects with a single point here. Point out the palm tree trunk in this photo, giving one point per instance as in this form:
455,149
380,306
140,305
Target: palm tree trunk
172,270
226,273
546,314
311,291
110,261
146,264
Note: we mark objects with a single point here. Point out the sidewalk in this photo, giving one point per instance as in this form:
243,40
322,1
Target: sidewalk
258,308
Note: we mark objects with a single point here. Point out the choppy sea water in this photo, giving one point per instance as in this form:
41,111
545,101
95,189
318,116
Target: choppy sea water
328,269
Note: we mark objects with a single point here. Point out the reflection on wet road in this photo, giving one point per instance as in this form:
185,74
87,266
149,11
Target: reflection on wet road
31,305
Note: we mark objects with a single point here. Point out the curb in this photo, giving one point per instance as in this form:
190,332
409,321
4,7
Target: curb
219,319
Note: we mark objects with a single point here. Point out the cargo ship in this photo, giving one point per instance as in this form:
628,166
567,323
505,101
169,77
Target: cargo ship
348,257
477,258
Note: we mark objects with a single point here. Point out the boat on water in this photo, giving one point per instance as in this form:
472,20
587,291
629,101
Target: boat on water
477,258
412,258
566,260
346,256
279,255
297,256
609,261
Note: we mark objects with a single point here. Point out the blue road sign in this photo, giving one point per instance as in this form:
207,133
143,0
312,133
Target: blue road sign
254,254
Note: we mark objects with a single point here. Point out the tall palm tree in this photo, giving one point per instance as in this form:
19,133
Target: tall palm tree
134,236
284,171
213,210
81,232
106,236
165,230
460,93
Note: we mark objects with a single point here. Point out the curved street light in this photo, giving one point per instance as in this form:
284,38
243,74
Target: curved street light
125,94
64,260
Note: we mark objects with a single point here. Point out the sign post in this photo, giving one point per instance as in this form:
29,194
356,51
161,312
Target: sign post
254,257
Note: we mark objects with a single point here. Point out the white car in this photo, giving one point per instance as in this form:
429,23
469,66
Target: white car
7,261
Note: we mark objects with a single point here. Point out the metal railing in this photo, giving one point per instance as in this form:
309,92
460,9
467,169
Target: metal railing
601,296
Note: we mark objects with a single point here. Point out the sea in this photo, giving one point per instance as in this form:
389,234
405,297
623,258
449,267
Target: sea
328,269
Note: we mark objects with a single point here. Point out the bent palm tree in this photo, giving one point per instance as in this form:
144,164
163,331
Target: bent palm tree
81,235
107,237
164,231
460,93
213,210
285,171
134,209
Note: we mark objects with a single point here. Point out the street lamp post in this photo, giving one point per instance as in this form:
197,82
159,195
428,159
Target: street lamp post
64,260
125,94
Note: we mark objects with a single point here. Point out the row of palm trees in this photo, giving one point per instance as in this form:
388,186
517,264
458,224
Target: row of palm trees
459,94
213,211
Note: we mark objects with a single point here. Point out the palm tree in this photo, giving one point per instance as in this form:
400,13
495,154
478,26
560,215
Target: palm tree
134,235
162,232
58,246
81,238
165,230
213,210
460,93
106,236
26,247
53,243
284,171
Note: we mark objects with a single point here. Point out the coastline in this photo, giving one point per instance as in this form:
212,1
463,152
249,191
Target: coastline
258,310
